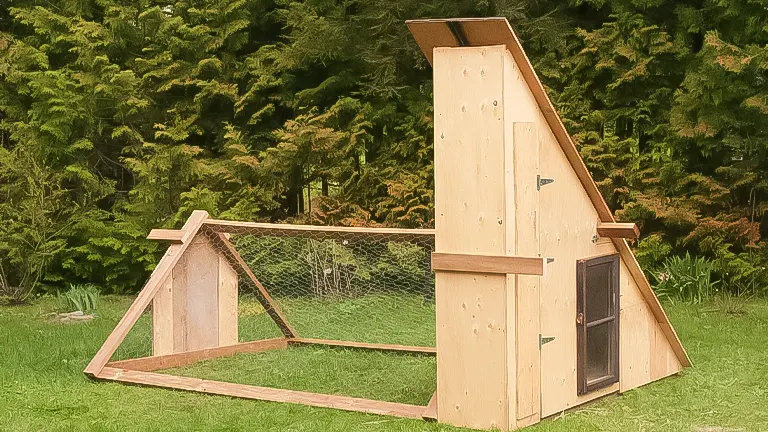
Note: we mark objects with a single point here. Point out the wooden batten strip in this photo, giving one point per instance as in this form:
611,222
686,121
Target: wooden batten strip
363,345
168,361
488,264
618,230
430,413
264,298
158,277
262,393
171,235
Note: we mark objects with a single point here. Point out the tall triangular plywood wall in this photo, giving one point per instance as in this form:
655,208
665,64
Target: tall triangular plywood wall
570,212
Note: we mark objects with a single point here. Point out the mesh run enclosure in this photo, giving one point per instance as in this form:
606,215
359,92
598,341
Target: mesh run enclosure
336,317
353,284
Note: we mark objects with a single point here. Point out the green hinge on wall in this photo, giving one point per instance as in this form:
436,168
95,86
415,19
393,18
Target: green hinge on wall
545,340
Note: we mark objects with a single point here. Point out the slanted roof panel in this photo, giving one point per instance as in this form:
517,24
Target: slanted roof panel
457,32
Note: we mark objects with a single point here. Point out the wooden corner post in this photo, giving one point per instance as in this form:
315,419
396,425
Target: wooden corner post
483,208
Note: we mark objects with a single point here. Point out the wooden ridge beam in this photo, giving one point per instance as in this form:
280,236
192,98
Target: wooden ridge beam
168,361
364,345
466,263
261,393
627,230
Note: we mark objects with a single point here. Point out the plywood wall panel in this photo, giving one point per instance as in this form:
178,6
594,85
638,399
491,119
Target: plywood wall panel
472,309
227,299
162,319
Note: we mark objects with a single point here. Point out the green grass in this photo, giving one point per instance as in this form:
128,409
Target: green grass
42,386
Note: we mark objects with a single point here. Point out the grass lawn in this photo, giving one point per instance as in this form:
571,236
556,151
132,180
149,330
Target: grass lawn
42,386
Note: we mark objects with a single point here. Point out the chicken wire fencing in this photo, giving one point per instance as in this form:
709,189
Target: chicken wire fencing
370,286
362,286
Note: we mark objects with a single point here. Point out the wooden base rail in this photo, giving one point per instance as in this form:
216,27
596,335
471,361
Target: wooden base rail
153,363
488,264
168,361
261,393
363,345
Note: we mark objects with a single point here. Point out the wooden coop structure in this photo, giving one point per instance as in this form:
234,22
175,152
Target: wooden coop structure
540,304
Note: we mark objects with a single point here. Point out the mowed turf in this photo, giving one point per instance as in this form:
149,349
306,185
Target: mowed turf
42,386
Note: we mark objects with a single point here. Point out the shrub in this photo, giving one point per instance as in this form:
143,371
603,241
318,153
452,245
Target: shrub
84,298
686,279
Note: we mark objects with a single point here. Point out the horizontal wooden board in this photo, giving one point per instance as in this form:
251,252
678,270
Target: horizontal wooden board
309,230
171,235
467,263
618,230
363,345
262,393
182,359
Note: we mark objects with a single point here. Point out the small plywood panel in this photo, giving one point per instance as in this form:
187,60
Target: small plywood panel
162,319
227,299
471,342
198,307
470,219
528,373
638,330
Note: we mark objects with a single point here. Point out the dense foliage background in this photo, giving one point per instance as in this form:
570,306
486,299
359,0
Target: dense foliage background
118,116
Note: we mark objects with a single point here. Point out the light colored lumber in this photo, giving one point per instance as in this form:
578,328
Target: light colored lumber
228,314
430,413
263,296
471,218
430,34
638,329
180,310
625,230
653,302
171,235
159,275
162,319
186,358
308,230
364,345
487,264
527,371
262,393
201,328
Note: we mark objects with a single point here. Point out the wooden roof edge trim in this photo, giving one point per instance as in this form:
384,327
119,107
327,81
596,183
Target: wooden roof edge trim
577,163
558,128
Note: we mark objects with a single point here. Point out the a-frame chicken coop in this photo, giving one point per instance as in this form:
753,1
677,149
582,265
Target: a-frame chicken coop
539,303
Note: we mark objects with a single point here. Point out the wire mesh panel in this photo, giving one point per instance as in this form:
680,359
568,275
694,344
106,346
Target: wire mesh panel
373,286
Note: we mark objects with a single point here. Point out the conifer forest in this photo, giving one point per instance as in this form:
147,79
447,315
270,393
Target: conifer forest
119,116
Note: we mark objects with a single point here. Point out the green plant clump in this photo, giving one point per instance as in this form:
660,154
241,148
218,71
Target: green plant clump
687,279
81,297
